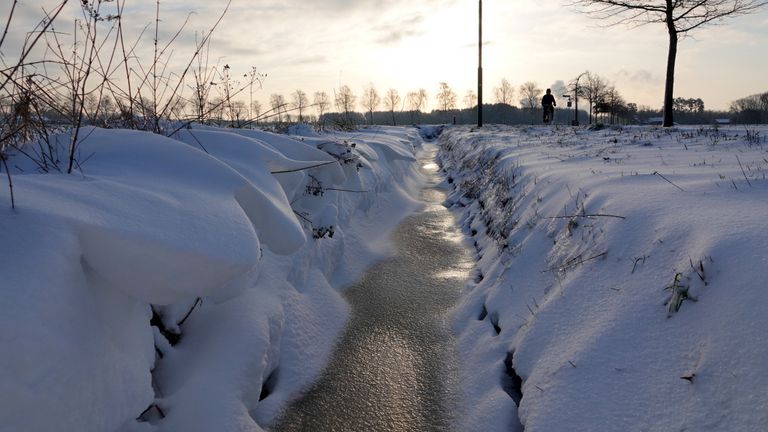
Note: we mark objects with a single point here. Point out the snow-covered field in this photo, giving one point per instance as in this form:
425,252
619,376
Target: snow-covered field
254,233
621,282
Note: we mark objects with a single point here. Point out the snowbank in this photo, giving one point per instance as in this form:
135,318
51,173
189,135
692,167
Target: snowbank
619,283
189,282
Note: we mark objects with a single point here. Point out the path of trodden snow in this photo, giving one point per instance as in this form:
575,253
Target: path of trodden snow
394,369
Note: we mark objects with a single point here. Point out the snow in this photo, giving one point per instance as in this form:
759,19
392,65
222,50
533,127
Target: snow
219,222
194,282
582,303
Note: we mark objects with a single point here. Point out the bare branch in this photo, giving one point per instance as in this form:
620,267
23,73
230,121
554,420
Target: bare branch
48,22
684,15
8,23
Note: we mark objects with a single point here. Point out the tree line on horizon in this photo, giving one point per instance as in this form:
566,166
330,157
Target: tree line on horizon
599,102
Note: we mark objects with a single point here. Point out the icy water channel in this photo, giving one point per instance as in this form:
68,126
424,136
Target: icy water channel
394,369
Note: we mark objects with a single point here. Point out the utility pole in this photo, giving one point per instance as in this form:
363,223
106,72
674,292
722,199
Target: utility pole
576,97
480,66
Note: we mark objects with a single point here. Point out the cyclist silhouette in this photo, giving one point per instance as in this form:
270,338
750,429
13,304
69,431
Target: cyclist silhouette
549,104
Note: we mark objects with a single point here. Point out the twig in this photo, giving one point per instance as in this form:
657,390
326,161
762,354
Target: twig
346,190
197,52
742,171
668,181
303,217
586,216
81,83
303,168
198,301
638,259
700,274
198,141
8,23
10,182
47,23
576,261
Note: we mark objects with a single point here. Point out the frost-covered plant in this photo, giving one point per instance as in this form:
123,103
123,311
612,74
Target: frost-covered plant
343,152
20,92
320,232
753,136
679,293
680,287
314,187
597,126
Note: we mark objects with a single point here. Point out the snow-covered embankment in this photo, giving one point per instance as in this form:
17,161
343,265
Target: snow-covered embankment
191,281
620,282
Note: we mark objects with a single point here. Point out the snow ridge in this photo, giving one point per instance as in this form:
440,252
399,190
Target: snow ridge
618,282
188,282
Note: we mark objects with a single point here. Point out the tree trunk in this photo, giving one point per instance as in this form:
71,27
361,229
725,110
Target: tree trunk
670,80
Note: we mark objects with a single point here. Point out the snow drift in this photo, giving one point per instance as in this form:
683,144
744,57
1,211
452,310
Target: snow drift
187,282
620,281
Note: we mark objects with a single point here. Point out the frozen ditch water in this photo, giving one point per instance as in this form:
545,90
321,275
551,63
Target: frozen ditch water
394,368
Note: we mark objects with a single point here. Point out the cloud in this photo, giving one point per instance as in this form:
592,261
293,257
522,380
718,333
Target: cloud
639,76
320,8
394,32
307,60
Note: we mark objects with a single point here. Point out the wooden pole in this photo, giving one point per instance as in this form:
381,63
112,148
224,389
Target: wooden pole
480,66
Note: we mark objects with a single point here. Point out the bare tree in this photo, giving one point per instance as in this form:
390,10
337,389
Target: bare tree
446,97
277,103
751,109
417,101
504,93
371,100
680,18
345,101
391,101
470,99
255,110
611,103
322,103
594,89
238,111
530,94
216,107
300,101
254,77
107,110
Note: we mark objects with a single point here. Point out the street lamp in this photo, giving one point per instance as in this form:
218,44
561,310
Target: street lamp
480,66
576,99
569,103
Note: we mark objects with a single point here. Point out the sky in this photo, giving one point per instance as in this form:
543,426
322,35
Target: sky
319,45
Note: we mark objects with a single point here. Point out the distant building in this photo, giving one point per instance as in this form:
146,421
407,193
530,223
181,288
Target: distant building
658,121
722,121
